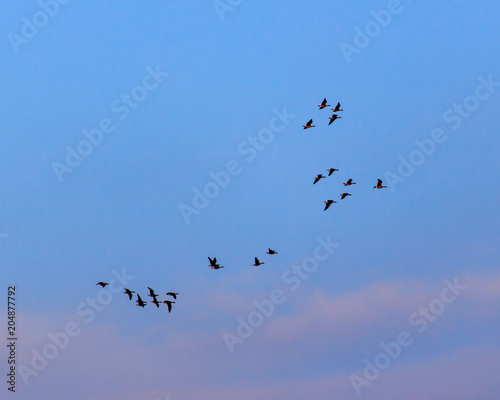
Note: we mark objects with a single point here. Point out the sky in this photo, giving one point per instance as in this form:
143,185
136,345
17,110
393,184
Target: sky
141,138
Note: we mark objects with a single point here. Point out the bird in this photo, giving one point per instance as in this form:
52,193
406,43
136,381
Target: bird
152,293
331,171
174,295
309,125
320,176
271,251
257,262
344,195
213,262
328,204
129,292
379,184
333,118
169,304
103,284
337,108
349,182
155,301
140,302
323,105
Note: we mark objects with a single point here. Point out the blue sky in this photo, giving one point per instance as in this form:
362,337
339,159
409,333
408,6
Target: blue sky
231,74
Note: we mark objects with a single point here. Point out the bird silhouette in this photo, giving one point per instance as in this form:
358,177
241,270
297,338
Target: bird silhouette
169,304
257,262
349,182
344,195
140,302
174,295
129,292
328,204
320,176
309,124
379,184
271,251
323,105
155,301
152,293
103,284
331,171
337,108
333,118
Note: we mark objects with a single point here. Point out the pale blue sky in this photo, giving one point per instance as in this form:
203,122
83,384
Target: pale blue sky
120,207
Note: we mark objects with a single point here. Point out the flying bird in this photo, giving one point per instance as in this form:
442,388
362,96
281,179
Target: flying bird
213,262
271,251
174,295
344,195
257,262
169,304
323,105
320,176
328,204
103,284
152,293
331,171
129,292
333,118
309,125
379,184
140,302
349,182
337,108
155,301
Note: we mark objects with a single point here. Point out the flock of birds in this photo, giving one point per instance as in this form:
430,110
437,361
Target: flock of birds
332,170
213,261
142,303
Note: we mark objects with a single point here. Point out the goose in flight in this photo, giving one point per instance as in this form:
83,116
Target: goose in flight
379,184
169,304
320,176
174,295
152,293
103,284
349,182
344,195
309,125
257,262
323,105
271,251
140,302
129,292
155,301
331,171
333,118
328,204
337,108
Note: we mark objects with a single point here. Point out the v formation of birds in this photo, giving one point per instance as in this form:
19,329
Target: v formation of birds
213,261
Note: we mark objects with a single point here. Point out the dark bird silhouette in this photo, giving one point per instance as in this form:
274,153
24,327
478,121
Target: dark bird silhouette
320,176
257,262
152,293
103,284
331,171
271,251
328,204
140,302
323,105
333,118
174,295
169,304
349,182
337,108
379,184
213,262
309,125
344,195
129,292
155,301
